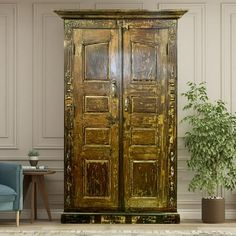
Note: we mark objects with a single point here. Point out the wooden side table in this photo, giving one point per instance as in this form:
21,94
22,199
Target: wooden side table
35,178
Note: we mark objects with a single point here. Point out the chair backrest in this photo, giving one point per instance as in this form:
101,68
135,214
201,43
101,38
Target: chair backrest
11,174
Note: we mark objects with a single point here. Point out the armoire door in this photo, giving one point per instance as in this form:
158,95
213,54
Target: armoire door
96,121
97,76
145,133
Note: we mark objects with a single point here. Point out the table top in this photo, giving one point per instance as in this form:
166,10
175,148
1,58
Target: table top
39,172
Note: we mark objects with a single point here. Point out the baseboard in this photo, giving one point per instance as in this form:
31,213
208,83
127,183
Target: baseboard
189,214
196,214
26,214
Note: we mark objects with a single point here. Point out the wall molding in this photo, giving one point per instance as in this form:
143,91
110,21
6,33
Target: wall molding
48,110
228,53
8,74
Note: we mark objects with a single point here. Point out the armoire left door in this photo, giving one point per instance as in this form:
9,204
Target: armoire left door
96,76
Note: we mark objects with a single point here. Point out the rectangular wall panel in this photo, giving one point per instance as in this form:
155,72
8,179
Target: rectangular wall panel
8,114
228,12
48,85
3,76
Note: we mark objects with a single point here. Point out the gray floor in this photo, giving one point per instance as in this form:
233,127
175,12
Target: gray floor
44,227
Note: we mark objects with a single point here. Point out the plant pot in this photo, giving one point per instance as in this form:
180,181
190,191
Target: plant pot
33,160
213,210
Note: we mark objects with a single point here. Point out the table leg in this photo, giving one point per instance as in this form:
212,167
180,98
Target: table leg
43,190
35,199
32,199
27,181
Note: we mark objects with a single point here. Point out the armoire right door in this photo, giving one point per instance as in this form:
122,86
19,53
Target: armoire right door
145,127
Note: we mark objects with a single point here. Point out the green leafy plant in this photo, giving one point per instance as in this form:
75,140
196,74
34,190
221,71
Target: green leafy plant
33,152
211,141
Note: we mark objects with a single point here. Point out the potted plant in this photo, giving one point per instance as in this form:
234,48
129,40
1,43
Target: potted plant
33,157
211,142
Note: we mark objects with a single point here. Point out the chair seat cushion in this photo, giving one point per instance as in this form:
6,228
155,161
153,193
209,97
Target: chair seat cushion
7,194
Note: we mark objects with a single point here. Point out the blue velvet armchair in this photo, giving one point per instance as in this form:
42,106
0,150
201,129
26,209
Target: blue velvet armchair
11,188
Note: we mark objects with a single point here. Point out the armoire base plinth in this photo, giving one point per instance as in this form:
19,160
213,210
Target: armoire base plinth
120,218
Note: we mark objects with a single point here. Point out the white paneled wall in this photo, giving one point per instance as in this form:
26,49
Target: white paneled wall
48,69
32,83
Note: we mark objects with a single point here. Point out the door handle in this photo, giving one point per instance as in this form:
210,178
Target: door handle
113,89
127,104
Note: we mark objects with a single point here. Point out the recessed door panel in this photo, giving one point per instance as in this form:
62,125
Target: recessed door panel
96,61
143,61
97,178
144,182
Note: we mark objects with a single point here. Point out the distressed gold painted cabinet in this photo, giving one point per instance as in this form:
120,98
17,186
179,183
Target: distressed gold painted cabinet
120,116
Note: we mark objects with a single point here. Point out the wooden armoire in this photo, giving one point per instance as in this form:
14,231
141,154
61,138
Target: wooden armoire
120,116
